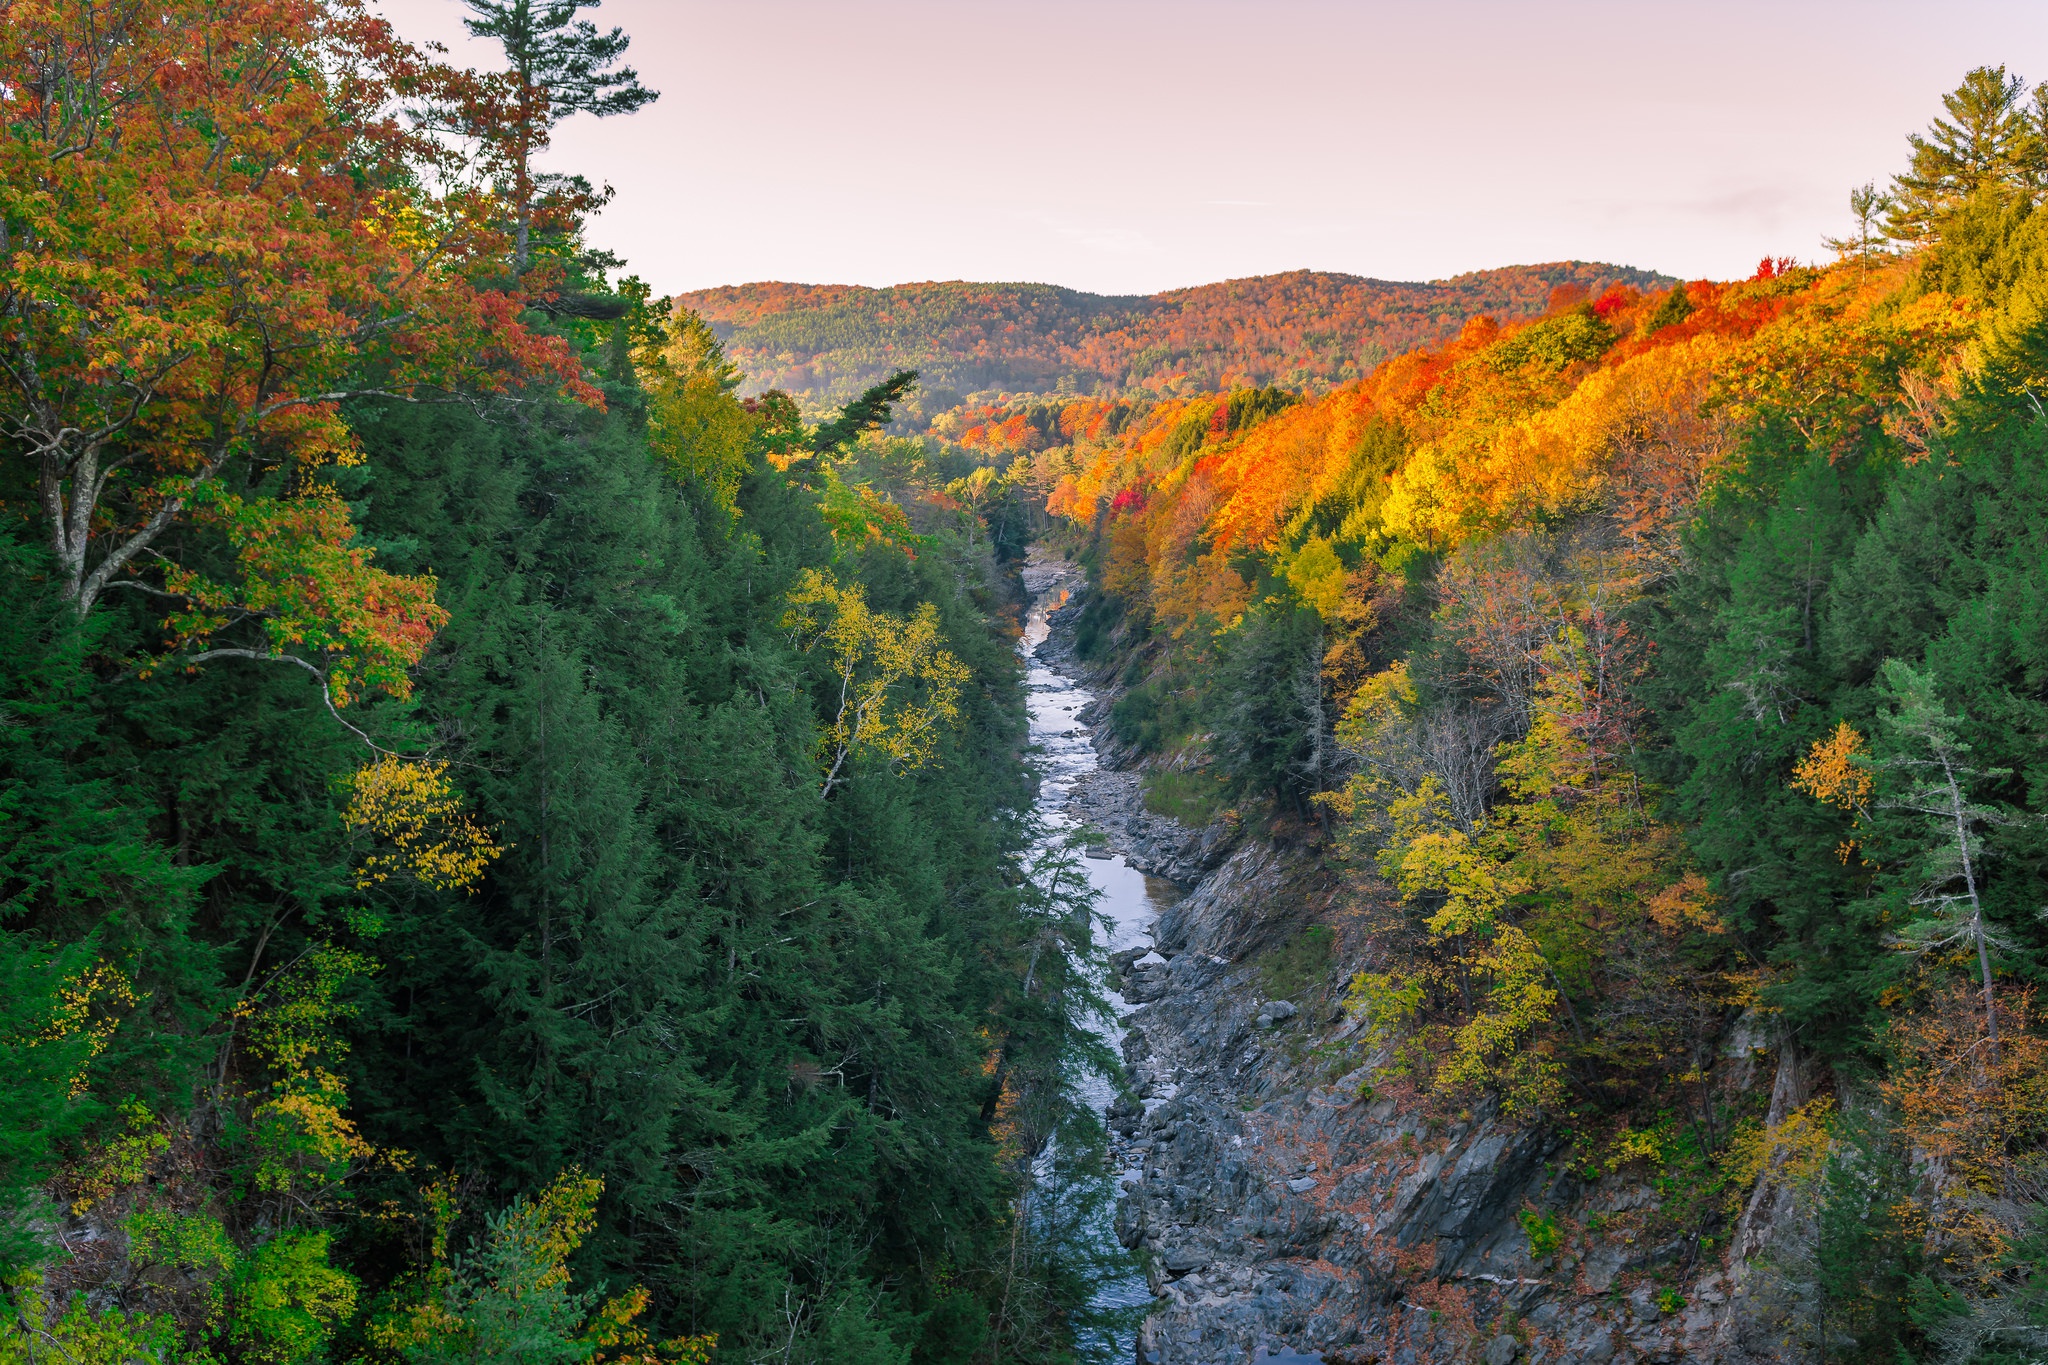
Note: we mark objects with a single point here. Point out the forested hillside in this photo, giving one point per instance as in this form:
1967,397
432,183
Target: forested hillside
515,836
824,343
507,851
1670,663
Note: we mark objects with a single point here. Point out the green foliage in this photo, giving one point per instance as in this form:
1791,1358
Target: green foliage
1674,308
1542,1230
1264,704
1869,1245
1991,143
33,1331
866,412
1290,970
509,1298
287,1300
1249,407
780,1029
1192,796
1554,343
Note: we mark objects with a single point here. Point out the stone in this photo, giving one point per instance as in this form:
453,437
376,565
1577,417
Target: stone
1302,1185
1602,1266
1595,1345
1502,1350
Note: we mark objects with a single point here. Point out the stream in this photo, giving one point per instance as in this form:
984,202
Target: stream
1130,900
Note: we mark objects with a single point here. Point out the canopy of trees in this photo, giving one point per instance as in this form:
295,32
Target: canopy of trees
1672,657
508,850
823,343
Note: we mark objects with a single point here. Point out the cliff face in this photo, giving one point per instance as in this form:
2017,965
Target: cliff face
1294,1195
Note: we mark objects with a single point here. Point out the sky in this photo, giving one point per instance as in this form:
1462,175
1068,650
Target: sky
1130,146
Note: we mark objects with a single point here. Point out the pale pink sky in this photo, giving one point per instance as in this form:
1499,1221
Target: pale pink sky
1126,146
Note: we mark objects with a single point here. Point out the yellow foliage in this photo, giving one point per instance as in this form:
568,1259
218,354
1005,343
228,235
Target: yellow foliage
1635,1144
557,1221
898,686
693,421
1836,771
91,1004
303,1137
123,1161
433,839
1387,1002
1795,1151
619,1340
1375,731
1317,577
531,1245
1426,500
1559,457
1499,1046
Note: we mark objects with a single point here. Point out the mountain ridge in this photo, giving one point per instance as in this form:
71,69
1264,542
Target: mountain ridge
1300,329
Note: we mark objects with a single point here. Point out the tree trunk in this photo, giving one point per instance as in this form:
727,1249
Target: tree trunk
1956,812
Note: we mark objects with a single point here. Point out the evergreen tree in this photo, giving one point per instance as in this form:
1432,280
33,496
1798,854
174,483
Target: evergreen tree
558,65
1991,144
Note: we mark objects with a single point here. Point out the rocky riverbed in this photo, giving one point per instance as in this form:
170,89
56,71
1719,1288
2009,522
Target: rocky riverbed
1295,1204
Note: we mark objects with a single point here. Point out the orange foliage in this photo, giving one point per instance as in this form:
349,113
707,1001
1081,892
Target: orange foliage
219,224
1301,329
1624,403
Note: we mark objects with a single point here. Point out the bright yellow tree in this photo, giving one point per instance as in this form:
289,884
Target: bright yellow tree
898,687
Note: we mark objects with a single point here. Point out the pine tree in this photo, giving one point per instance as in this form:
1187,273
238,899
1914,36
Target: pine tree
559,65
1991,142
1927,746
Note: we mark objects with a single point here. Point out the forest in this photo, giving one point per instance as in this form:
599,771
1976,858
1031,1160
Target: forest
508,850
1675,657
1001,343
516,835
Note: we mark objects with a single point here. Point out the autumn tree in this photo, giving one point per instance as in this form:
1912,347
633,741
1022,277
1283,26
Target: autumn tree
559,65
895,685
217,228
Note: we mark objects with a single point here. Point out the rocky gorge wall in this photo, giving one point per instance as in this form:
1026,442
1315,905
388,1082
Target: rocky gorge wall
1292,1198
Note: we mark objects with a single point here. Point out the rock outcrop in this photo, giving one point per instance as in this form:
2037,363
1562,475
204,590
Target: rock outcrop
1280,1204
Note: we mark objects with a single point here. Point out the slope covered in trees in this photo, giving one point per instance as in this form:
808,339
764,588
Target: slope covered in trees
1304,329
1673,658
507,850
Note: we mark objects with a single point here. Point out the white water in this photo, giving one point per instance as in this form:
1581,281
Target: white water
1130,900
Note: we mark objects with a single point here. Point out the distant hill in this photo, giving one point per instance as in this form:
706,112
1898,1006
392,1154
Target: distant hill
1303,329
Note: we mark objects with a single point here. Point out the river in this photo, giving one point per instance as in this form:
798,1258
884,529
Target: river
1129,900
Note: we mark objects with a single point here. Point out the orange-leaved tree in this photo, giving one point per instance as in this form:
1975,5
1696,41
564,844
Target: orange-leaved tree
217,225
